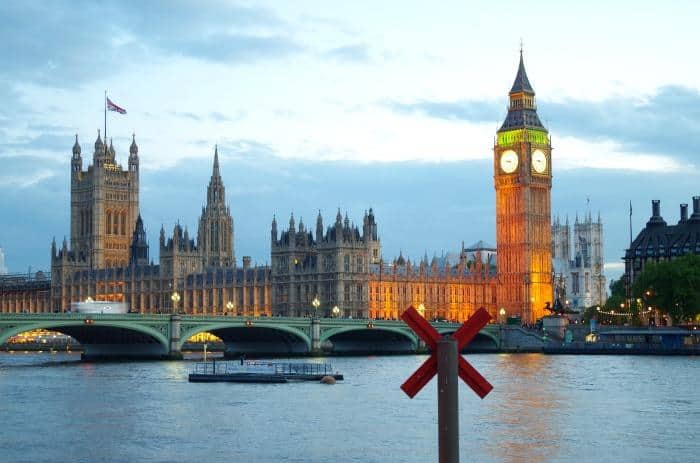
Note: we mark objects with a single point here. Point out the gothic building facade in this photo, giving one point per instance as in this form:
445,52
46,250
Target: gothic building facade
331,266
579,277
108,255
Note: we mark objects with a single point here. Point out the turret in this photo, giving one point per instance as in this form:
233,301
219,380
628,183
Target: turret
273,233
319,227
112,153
292,228
133,155
139,245
76,160
162,237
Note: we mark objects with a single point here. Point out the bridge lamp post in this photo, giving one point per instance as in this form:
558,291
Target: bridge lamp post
316,303
502,313
229,307
175,298
335,311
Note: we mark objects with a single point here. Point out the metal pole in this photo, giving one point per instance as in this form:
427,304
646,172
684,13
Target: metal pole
448,406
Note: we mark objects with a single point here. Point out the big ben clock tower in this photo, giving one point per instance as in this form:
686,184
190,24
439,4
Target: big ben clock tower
523,181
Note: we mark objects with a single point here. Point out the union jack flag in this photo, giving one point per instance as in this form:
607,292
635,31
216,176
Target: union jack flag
112,107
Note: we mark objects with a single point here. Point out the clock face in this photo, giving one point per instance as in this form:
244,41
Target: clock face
539,161
509,161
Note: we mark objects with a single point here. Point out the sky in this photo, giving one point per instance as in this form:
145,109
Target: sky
320,105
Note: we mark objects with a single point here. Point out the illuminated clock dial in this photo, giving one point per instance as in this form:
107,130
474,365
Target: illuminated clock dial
539,161
509,161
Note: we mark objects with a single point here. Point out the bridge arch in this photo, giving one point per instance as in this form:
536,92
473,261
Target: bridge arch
358,339
484,340
258,338
102,338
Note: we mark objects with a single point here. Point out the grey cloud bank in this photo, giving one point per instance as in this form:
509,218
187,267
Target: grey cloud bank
665,123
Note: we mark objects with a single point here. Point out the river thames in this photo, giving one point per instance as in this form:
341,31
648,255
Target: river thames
542,409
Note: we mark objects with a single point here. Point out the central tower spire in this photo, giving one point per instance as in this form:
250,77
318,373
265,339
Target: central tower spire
215,234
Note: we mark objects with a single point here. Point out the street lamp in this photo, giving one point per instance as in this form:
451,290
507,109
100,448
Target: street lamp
316,303
421,310
335,311
229,307
175,298
502,313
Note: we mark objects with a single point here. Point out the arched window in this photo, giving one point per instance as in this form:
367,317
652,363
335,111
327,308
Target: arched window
108,223
123,223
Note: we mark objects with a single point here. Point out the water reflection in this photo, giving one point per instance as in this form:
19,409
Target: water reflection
560,408
525,417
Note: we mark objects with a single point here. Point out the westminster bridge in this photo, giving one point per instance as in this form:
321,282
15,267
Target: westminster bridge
161,336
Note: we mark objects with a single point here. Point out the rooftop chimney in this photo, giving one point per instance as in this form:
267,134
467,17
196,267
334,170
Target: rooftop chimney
656,213
696,207
684,212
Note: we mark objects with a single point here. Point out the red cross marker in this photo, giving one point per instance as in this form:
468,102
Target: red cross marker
446,362
463,335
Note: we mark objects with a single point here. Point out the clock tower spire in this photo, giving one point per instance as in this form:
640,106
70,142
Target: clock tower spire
523,182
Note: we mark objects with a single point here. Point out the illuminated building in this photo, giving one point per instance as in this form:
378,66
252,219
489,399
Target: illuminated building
444,288
523,182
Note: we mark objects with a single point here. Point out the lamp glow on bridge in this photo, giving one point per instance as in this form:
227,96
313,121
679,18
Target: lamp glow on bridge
229,306
175,298
335,311
316,303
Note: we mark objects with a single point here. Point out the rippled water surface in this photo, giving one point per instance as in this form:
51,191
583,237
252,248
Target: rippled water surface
542,408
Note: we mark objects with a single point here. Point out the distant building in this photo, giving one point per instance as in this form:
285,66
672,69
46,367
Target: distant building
3,268
107,255
578,271
658,241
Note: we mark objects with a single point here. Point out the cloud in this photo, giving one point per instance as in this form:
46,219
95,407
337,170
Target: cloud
472,111
25,180
350,53
666,123
97,38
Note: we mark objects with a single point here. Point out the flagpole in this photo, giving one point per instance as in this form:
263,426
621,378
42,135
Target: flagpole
105,117
631,252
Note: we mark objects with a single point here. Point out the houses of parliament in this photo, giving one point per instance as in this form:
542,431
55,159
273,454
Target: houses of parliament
337,264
